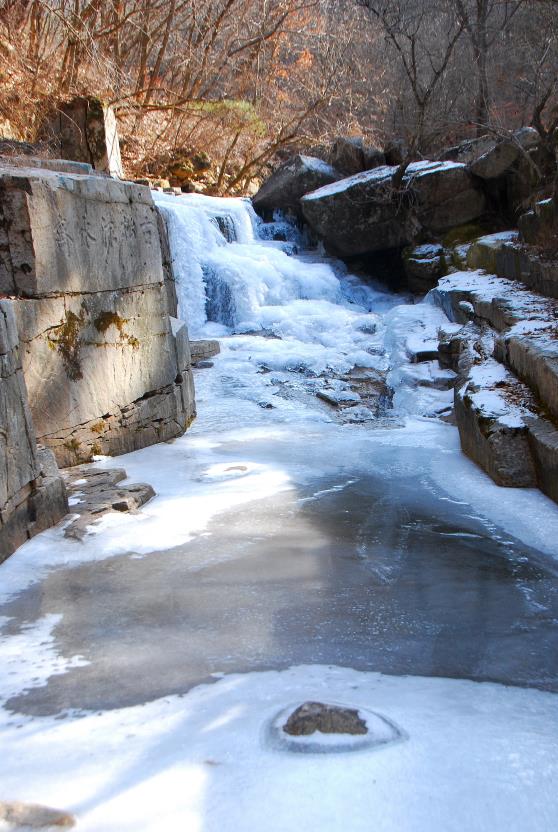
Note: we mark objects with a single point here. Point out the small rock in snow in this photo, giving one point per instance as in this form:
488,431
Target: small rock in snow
328,719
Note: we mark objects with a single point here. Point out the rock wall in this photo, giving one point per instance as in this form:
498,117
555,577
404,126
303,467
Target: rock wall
32,494
107,367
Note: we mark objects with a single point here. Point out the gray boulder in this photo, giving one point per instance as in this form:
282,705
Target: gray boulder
291,181
468,150
350,155
365,213
424,265
501,156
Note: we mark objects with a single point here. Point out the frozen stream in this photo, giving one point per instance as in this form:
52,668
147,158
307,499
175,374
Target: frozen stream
299,551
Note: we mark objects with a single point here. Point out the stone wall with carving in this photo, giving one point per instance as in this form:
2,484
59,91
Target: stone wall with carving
107,367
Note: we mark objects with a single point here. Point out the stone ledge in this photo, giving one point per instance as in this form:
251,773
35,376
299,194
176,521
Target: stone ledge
94,492
202,350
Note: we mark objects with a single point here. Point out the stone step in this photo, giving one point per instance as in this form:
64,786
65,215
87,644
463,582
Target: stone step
515,262
506,407
496,301
502,430
534,359
527,325
203,350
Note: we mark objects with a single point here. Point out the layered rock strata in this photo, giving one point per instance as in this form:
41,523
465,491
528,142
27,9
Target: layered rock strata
95,492
107,367
32,494
506,357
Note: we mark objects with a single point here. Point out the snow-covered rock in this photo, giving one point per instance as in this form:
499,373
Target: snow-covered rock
291,181
364,213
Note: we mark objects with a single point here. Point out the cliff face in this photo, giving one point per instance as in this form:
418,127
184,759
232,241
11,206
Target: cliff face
32,495
107,369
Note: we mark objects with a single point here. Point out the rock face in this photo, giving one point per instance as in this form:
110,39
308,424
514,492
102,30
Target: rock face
107,370
352,155
365,214
424,266
85,130
291,181
32,494
327,719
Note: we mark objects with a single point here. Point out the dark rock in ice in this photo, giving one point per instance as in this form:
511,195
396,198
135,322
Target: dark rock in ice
328,719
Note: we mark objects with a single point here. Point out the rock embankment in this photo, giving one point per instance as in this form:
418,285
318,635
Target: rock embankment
32,494
364,202
506,357
105,369
106,364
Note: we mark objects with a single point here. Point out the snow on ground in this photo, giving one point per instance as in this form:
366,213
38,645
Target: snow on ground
476,756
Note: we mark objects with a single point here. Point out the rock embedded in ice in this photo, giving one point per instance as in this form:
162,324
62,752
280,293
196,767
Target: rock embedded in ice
330,728
327,719
32,816
336,398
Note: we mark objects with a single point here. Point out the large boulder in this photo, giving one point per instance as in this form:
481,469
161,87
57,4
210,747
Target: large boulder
500,157
350,155
85,130
291,181
468,150
366,213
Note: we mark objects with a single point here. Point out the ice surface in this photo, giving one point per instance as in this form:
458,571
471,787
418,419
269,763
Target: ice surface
253,506
484,753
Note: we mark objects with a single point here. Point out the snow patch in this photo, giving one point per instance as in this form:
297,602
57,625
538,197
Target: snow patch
484,752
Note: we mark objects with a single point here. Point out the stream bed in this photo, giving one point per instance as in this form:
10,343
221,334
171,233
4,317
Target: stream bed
295,550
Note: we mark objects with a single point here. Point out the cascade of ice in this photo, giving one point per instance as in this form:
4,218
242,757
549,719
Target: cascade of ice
287,308
237,272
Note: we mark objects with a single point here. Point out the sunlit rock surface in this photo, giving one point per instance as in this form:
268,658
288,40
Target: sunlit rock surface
105,372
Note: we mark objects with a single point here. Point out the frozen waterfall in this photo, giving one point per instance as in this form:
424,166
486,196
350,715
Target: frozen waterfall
290,309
